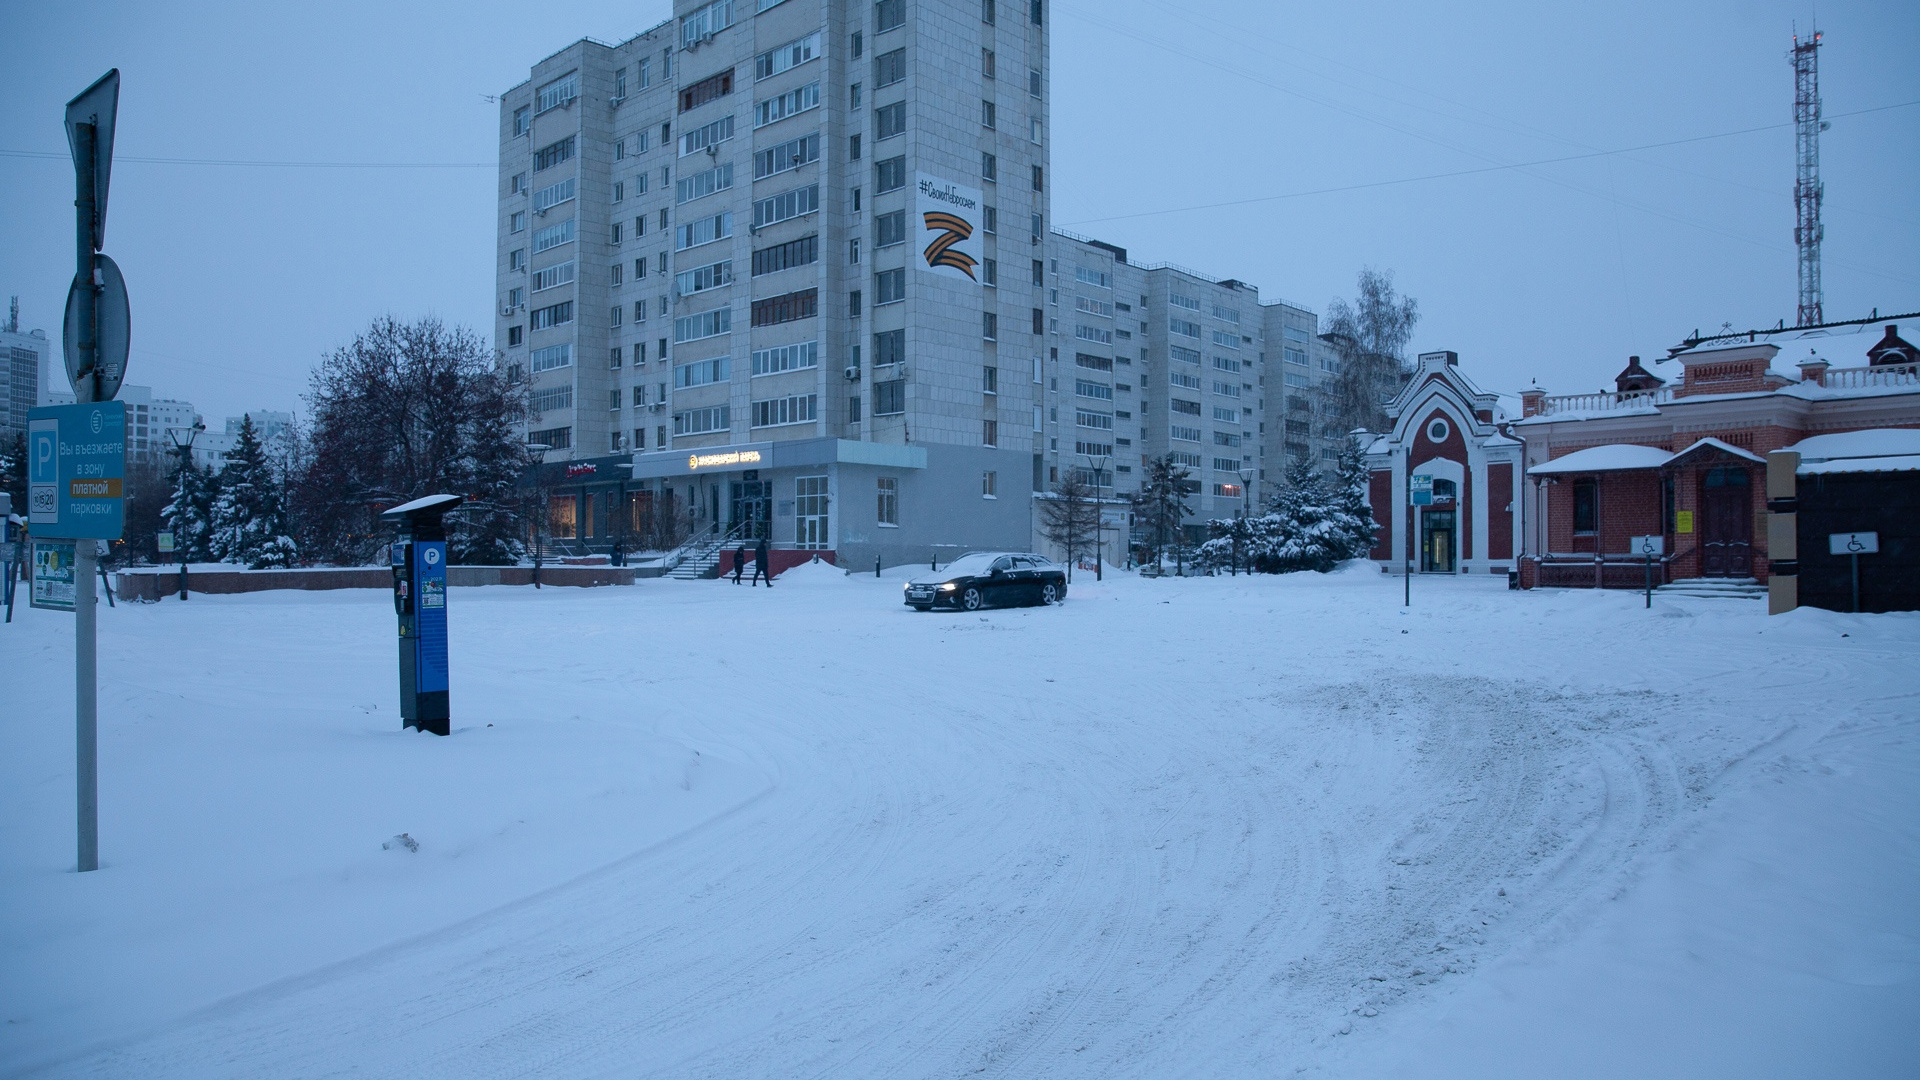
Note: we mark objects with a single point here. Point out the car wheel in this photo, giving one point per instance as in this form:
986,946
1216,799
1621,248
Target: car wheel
1050,593
971,599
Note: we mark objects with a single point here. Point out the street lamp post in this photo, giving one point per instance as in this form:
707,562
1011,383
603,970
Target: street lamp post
539,522
1098,463
1246,510
186,462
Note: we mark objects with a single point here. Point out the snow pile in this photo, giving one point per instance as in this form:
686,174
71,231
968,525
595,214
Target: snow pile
813,572
1234,827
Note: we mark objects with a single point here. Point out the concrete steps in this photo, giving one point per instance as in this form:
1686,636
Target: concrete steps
1715,589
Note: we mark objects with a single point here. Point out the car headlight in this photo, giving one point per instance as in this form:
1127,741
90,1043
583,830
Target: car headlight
948,587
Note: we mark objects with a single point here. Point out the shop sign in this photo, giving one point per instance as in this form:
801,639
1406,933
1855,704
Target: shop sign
696,462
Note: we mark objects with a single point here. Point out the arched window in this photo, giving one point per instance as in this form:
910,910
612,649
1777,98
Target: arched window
1438,430
1444,490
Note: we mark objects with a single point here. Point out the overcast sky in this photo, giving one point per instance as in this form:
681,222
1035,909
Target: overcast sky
1162,110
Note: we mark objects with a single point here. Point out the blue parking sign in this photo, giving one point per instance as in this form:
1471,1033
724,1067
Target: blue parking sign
76,464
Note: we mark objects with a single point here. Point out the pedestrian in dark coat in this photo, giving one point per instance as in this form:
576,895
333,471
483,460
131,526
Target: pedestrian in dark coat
760,564
739,562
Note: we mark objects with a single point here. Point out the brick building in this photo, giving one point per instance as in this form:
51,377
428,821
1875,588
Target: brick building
1679,449
1455,435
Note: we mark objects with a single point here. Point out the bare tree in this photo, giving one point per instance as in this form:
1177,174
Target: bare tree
405,410
1070,516
1371,335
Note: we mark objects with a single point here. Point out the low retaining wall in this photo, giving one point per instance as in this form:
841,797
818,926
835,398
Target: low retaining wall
158,582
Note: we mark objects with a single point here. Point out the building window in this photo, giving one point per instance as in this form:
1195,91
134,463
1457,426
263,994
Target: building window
787,205
990,380
702,278
553,154
522,120
786,156
556,315
786,57
853,152
791,103
703,373
1438,430
887,512
707,89
553,236
1586,506
889,286
987,115
889,347
560,438
990,220
794,409
990,272
552,276
990,482
889,14
859,42
796,357
989,167
706,324
513,336
701,184
889,120
701,421
989,325
517,221
705,22
802,252
889,175
890,229
786,308
560,91
1038,176
890,398
889,68
553,356
516,260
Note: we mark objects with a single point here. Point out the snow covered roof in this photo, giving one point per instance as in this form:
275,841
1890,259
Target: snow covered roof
1872,450
1874,442
1614,457
1711,443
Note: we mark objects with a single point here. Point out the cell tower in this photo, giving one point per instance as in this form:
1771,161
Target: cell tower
1807,189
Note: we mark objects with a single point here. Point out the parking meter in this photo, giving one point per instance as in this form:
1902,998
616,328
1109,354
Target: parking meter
419,558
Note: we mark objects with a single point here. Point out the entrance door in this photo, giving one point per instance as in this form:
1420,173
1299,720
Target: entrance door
752,504
1436,542
810,512
1726,523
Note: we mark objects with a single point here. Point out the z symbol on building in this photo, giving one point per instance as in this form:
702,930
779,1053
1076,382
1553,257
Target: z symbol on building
953,231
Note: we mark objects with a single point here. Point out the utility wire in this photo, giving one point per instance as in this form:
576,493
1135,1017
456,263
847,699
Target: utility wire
271,164
1476,171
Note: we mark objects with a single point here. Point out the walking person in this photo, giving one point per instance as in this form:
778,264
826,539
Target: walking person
739,561
760,564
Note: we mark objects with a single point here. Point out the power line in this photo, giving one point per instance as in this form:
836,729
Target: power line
269,164
1470,172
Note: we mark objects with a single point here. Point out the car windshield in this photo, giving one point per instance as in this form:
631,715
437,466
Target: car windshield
969,564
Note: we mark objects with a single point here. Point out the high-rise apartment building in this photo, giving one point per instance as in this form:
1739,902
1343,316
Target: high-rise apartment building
1145,361
22,358
780,264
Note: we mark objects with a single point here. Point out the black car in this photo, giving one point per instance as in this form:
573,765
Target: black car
989,579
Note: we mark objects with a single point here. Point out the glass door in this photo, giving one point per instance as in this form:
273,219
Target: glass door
810,513
1436,542
752,506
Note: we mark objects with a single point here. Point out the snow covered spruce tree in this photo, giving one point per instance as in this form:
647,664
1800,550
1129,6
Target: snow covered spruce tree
1069,516
1351,482
249,521
189,514
406,410
1161,508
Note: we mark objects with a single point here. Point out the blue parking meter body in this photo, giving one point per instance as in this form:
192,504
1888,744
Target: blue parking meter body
419,559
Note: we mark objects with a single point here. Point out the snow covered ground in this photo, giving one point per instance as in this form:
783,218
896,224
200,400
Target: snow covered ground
1211,828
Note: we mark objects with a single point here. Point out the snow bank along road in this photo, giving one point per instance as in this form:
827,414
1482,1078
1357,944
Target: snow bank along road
1208,828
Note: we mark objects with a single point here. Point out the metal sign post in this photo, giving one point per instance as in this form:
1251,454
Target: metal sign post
1420,493
77,453
1651,547
1854,545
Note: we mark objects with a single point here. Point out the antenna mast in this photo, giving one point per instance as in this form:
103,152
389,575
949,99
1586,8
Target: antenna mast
1807,189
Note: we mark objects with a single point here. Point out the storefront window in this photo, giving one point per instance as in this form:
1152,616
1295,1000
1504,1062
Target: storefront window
810,512
562,511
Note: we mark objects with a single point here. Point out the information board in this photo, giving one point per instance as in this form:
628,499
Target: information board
53,575
76,464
